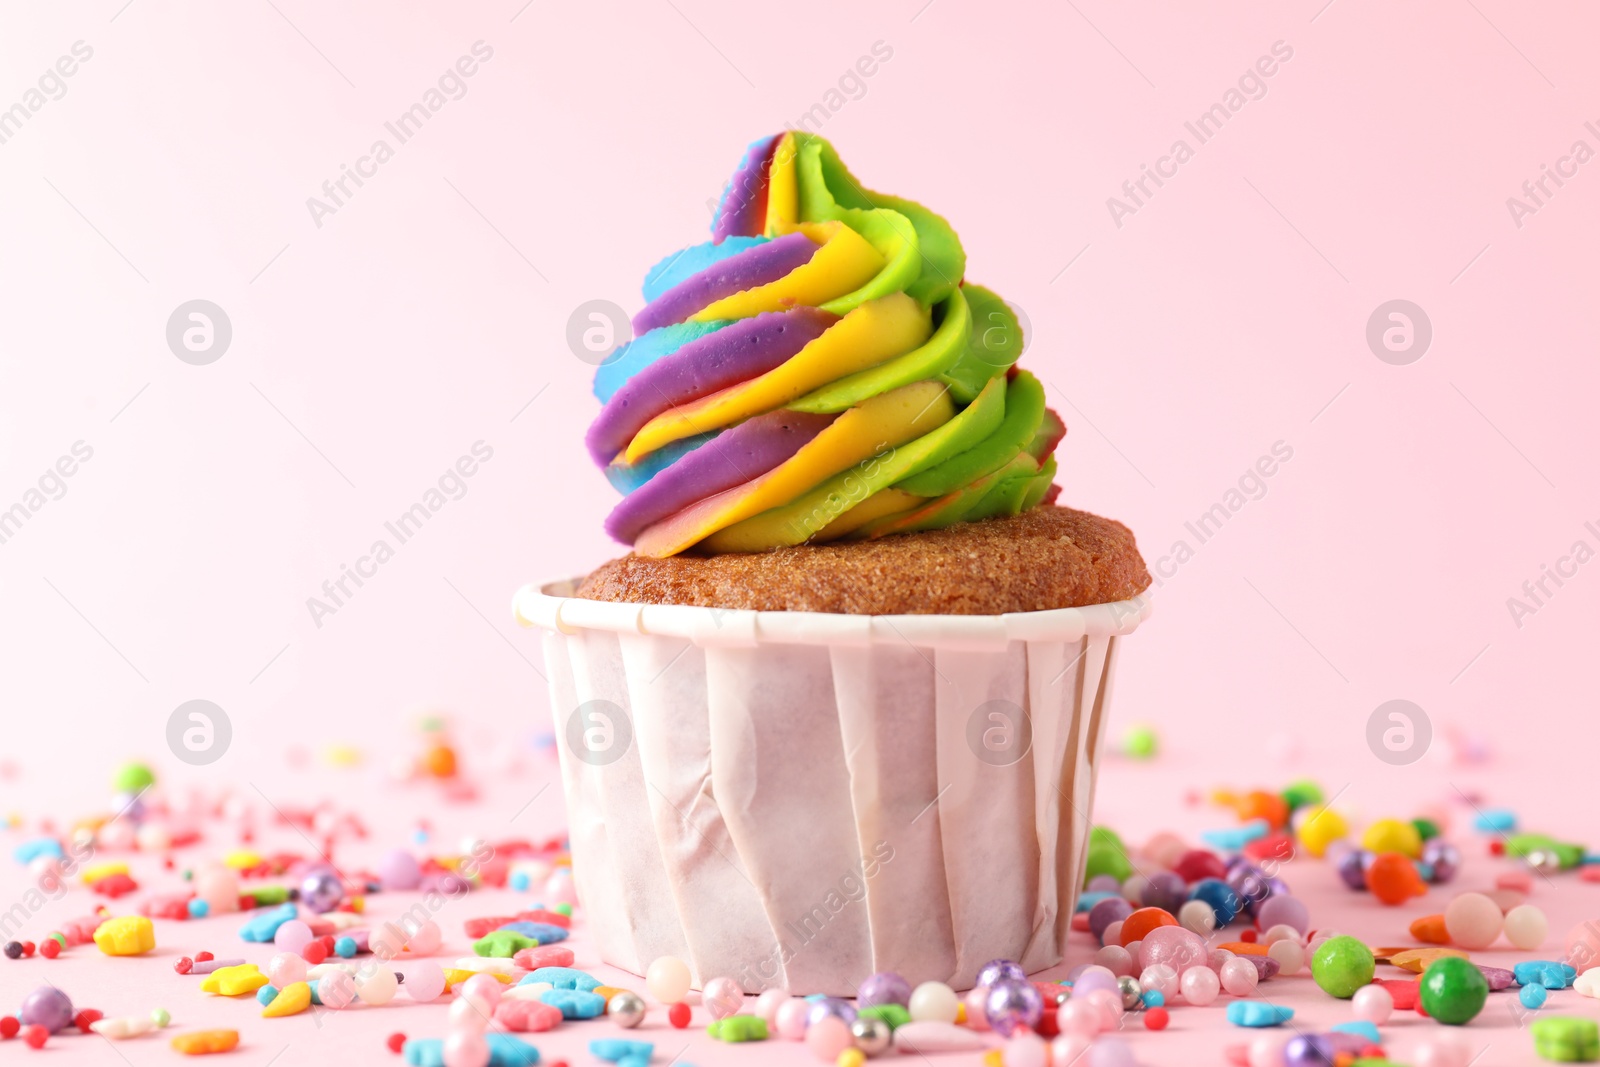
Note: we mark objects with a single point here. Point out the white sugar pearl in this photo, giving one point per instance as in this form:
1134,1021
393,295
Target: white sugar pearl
1526,927
934,1002
1198,916
1291,956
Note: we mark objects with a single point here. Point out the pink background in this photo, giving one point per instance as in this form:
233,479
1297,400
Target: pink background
1228,313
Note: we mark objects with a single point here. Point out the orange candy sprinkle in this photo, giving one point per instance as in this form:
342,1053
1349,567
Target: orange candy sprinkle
1430,930
1393,879
1246,948
1262,805
1141,922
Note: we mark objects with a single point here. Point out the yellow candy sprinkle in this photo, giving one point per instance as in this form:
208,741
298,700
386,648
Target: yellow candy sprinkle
103,870
234,981
126,935
1320,829
851,1057
201,1042
1416,960
242,860
291,1000
1392,835
454,976
341,755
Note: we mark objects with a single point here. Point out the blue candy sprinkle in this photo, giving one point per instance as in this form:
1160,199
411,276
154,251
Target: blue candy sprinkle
1255,1013
199,909
505,1050
574,1003
563,978
615,1050
1533,996
32,849
1154,998
264,926
1547,973
266,995
345,947
544,933
1235,838
1495,820
1358,1026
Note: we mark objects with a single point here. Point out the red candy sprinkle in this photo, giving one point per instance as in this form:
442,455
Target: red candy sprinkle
50,949
35,1035
1156,1018
184,965
678,1015
86,1017
247,903
201,957
9,1025
1049,1026
396,1042
314,952
28,948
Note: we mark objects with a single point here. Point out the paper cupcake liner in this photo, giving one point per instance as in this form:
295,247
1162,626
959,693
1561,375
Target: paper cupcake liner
799,800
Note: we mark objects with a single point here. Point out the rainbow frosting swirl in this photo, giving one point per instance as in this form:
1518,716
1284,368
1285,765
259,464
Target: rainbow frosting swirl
818,371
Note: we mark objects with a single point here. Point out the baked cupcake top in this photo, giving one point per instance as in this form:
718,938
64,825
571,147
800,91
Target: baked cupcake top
819,371
1047,557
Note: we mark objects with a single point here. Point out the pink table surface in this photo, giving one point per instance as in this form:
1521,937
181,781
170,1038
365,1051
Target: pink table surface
521,798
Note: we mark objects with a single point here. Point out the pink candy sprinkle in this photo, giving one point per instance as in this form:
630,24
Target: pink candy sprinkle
544,956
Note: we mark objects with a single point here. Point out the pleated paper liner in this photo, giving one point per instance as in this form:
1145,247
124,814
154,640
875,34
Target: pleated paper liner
799,800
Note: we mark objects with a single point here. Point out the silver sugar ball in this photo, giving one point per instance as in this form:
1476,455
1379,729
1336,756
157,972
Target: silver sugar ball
626,1010
1132,992
870,1034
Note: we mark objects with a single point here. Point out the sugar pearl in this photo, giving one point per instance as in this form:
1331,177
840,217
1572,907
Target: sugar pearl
1198,916
1114,958
667,979
1291,956
1526,927
1239,977
1373,1004
1200,986
934,1002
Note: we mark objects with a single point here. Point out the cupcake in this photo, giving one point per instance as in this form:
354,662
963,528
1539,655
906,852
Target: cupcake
839,710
